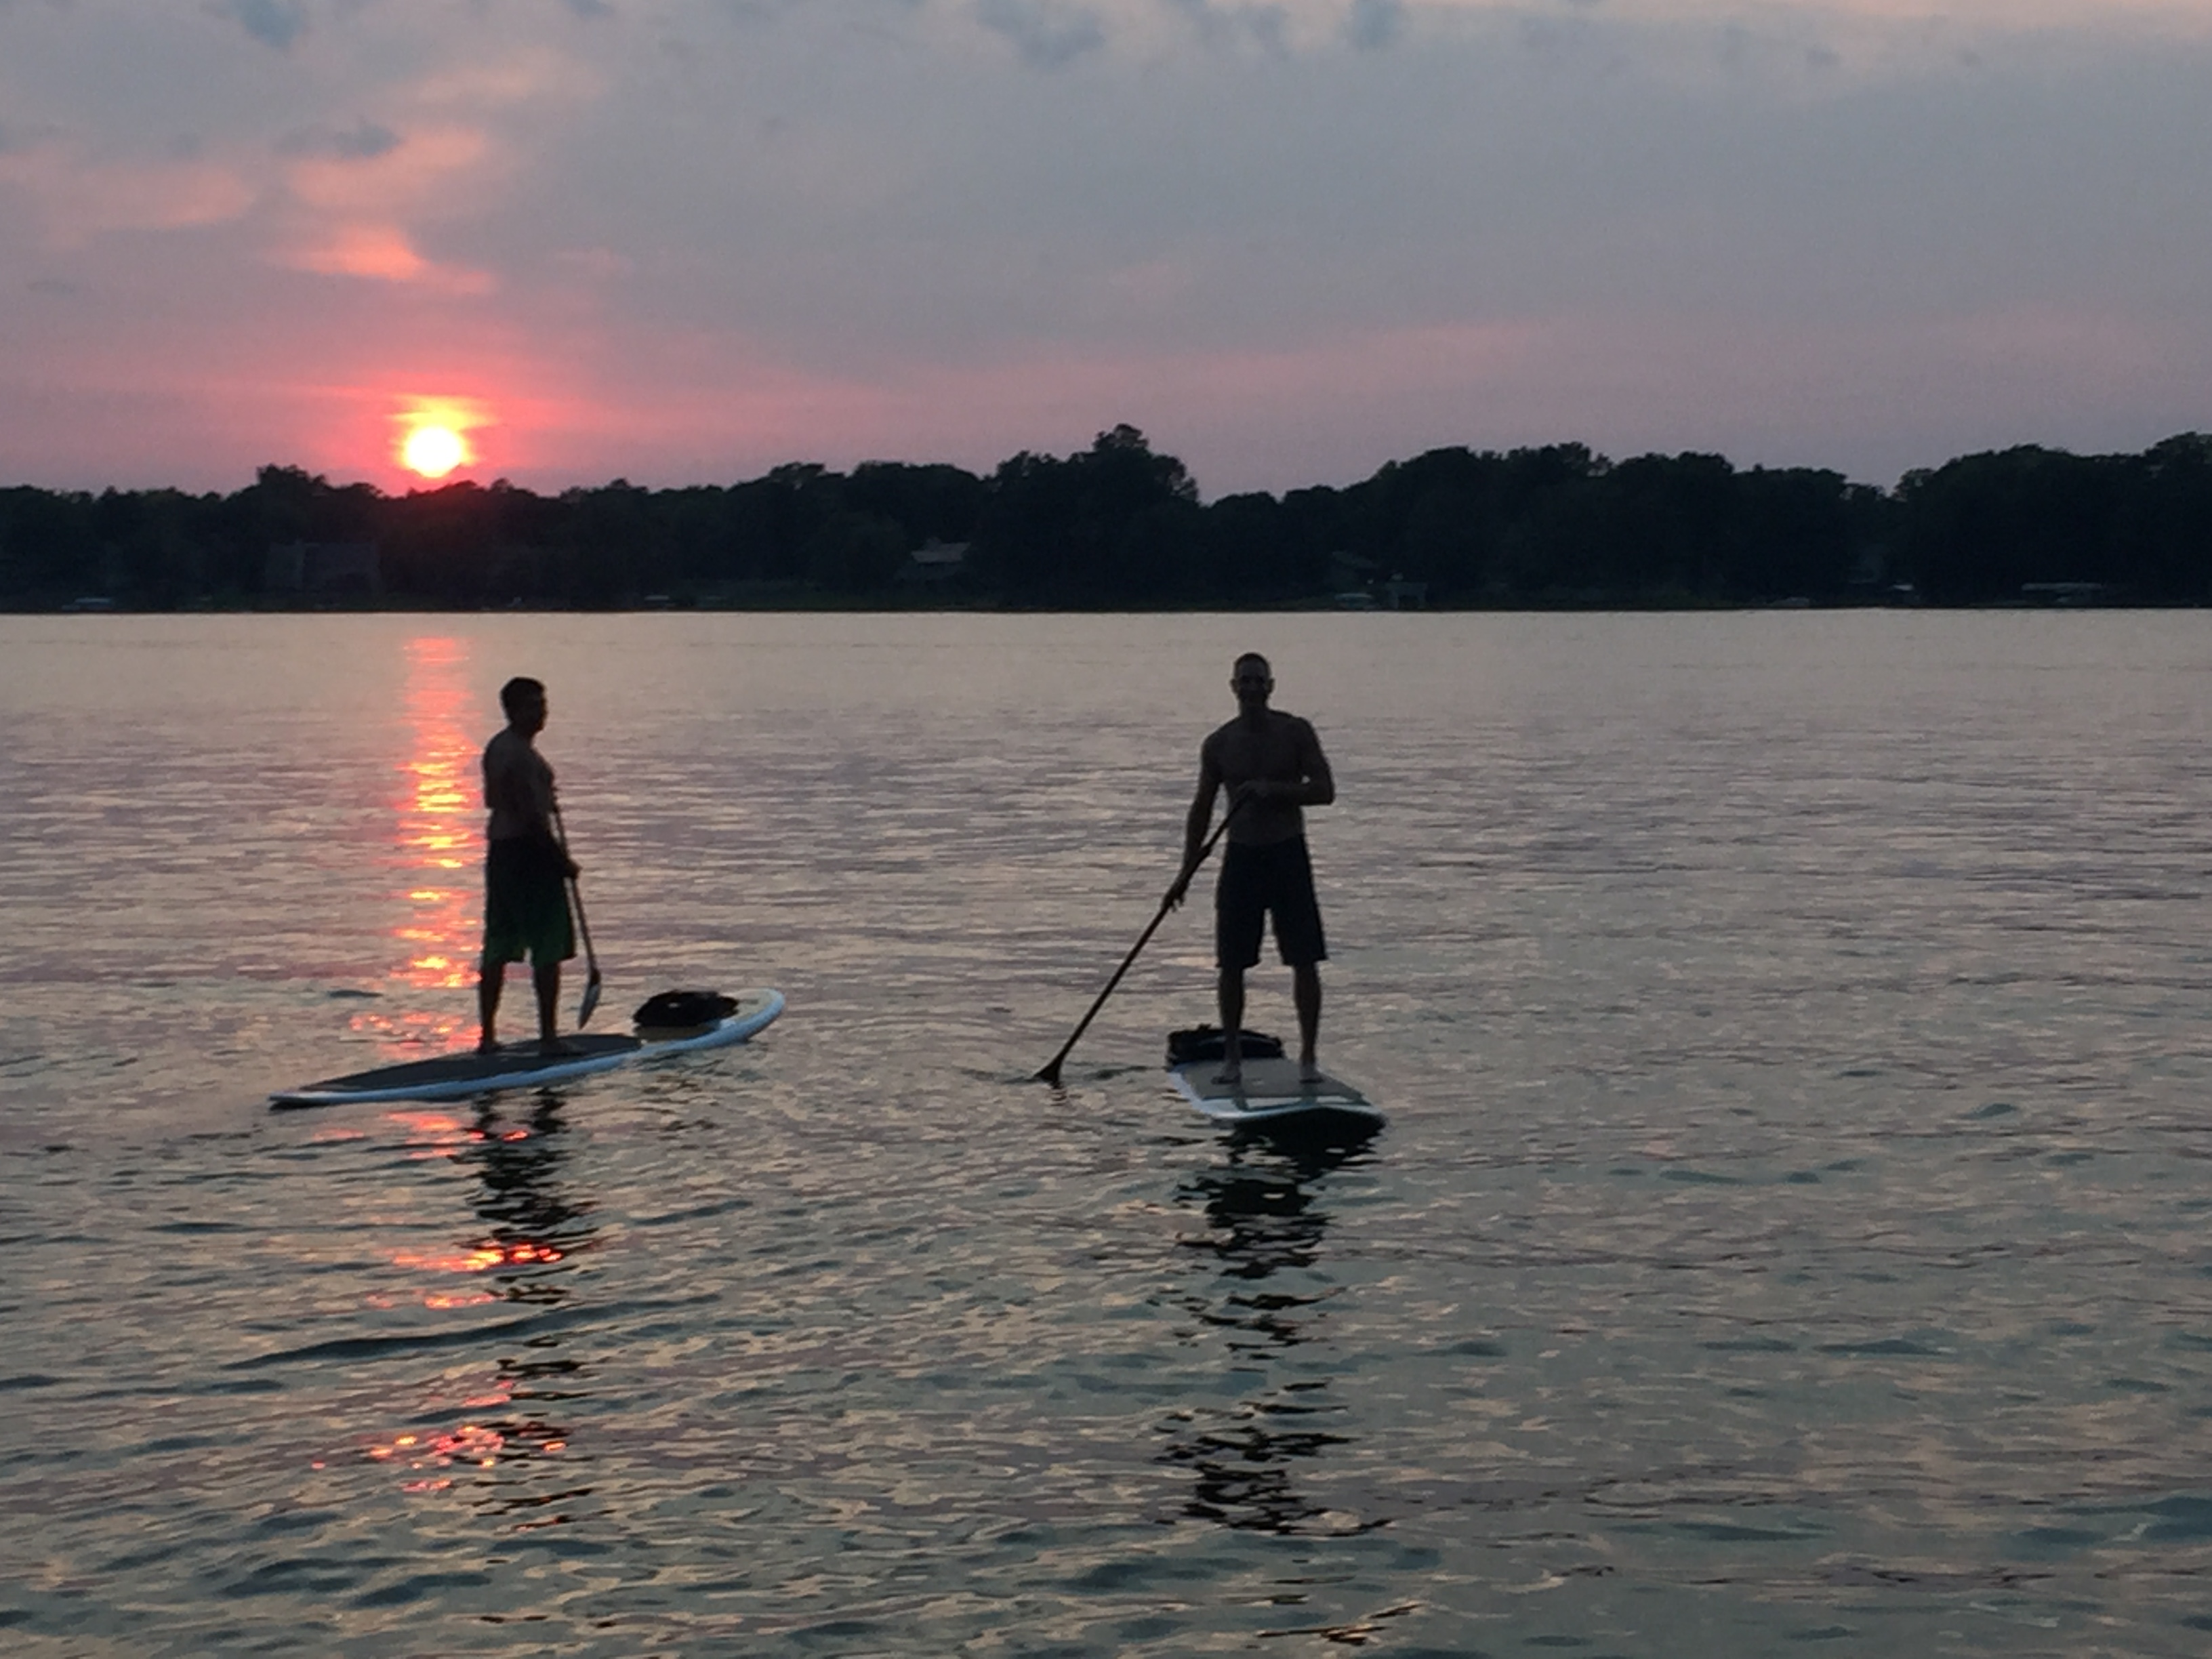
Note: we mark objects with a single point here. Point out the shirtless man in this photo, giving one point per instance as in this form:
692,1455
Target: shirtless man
1272,765
526,868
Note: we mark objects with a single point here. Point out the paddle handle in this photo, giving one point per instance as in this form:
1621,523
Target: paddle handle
1050,1073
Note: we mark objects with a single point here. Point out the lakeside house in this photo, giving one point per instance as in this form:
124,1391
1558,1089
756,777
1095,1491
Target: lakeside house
323,568
2066,593
1398,594
935,563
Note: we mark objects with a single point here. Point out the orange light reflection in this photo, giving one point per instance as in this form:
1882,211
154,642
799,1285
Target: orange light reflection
527,1238
436,840
436,1133
483,1258
482,1445
470,1443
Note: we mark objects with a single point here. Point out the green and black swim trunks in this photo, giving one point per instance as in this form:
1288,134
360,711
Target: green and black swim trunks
526,902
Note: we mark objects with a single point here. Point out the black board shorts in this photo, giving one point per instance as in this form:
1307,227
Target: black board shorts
1271,879
526,903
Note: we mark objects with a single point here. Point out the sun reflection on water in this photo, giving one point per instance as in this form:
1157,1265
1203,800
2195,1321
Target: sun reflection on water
530,1232
435,853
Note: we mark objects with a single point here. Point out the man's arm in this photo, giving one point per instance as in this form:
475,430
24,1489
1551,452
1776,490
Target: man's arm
1317,784
1199,818
541,789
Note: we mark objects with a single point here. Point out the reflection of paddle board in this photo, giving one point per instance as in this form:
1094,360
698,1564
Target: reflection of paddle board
518,1065
1271,1095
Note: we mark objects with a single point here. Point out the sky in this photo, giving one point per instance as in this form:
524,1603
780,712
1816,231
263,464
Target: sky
683,241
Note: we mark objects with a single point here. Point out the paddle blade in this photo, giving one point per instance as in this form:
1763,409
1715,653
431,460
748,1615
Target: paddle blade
590,1002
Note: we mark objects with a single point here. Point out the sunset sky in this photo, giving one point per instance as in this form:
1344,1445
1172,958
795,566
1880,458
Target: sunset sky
684,240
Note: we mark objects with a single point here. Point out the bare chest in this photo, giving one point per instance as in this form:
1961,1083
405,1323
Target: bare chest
1246,755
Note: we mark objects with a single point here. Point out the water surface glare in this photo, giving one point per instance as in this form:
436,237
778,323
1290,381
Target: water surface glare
1789,1234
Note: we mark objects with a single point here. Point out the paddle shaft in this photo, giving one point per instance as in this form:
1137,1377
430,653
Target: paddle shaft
591,997
1051,1072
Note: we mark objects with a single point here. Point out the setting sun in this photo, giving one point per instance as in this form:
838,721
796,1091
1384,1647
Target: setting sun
433,451
434,436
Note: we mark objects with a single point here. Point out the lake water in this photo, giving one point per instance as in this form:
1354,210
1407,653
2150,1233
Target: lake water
1791,1233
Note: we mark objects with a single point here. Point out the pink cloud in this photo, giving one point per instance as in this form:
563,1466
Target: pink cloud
77,200
383,253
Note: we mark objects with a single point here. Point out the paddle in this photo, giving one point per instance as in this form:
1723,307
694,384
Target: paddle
591,998
1051,1072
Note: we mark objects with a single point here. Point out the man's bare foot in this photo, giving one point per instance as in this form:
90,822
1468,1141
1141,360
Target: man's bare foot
1230,1076
487,1044
1308,1069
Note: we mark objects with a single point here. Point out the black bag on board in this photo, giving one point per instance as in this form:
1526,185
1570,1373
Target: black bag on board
1206,1042
680,1008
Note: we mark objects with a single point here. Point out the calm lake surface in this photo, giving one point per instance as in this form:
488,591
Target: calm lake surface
1792,1232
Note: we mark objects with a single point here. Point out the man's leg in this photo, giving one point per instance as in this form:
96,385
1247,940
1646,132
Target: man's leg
1240,914
490,975
1232,1025
1305,948
546,976
1306,988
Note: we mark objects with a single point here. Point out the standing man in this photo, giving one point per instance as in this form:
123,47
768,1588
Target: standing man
526,867
1272,765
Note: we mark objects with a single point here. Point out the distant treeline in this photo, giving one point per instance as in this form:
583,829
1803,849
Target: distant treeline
1120,525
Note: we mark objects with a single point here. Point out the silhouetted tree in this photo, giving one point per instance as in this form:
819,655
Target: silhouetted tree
1119,523
1112,525
1978,528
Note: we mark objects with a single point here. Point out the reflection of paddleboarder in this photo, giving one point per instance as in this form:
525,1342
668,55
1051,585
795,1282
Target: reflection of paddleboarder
1272,765
1255,1455
526,869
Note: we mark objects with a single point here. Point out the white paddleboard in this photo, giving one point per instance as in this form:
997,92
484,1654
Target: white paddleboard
1271,1093
520,1066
